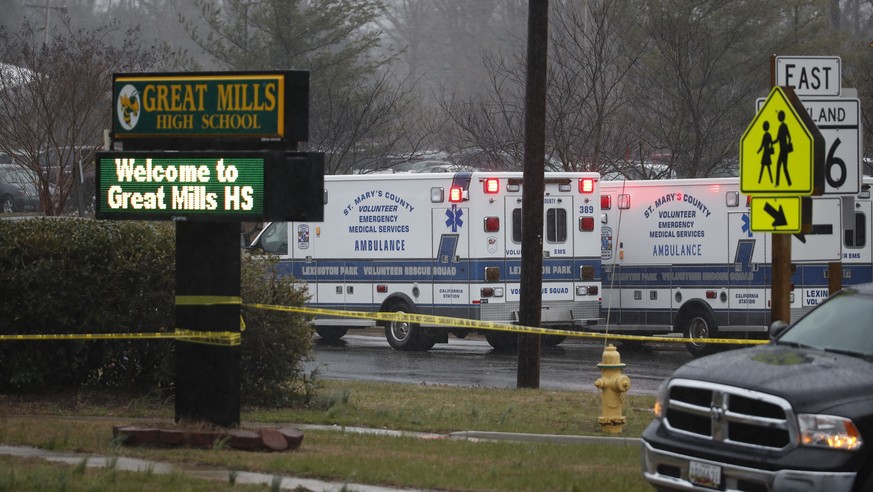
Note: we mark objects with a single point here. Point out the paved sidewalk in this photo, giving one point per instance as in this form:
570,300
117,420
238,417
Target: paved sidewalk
208,473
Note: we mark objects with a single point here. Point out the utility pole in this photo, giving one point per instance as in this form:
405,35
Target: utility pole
530,304
47,9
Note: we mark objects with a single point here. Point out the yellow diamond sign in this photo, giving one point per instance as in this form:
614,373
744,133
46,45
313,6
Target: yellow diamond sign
782,151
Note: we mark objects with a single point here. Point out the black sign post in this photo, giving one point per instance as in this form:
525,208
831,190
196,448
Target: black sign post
209,150
207,283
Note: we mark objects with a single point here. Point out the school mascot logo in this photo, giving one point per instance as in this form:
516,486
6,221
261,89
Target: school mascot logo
128,107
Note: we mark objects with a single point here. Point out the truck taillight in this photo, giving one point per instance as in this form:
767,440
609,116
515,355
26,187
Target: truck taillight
586,185
587,290
605,202
456,194
491,292
586,224
492,224
491,185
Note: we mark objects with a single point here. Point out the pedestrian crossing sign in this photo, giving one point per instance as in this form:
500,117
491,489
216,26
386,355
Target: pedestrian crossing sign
782,151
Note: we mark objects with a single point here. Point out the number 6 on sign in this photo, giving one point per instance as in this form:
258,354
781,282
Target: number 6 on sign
835,180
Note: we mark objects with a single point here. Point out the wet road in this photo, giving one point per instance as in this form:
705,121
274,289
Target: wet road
472,362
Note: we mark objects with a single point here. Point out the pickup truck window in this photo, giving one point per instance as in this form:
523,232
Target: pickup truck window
847,318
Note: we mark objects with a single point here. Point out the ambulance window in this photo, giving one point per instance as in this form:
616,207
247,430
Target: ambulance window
556,225
857,237
516,225
275,238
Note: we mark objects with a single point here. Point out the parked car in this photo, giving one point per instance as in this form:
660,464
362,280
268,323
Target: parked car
18,192
792,415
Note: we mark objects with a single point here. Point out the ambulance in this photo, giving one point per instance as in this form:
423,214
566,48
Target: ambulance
443,244
679,256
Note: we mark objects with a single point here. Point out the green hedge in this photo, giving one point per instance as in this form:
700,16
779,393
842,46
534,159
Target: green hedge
84,276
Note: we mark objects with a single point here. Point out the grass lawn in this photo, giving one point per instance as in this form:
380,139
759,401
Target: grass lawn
66,423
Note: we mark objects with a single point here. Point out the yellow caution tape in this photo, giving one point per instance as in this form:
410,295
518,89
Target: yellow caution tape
207,300
492,325
224,338
228,338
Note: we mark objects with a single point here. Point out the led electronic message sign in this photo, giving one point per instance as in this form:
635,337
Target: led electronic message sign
243,185
181,185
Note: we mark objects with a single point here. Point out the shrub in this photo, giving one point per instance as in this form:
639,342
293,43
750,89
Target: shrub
275,344
84,276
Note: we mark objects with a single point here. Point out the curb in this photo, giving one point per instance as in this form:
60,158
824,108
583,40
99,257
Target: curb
483,435
549,438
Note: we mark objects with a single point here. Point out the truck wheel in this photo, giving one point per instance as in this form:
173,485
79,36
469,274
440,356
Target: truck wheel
699,324
501,340
867,484
403,335
331,333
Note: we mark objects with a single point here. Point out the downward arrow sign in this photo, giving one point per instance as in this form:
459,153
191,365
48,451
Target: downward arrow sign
778,215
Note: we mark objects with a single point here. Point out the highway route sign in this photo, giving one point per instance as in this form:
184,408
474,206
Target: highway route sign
839,121
782,151
810,75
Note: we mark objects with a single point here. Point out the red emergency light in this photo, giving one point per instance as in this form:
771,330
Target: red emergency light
605,202
586,185
492,224
456,194
491,185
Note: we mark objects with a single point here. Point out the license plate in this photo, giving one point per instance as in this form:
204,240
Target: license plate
704,474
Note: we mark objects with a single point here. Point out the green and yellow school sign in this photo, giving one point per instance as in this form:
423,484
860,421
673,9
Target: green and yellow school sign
229,104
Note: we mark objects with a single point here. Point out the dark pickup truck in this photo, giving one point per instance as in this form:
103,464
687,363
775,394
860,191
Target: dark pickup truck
793,415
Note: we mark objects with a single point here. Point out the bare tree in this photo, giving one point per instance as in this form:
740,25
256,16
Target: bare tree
706,63
487,130
56,101
592,49
358,107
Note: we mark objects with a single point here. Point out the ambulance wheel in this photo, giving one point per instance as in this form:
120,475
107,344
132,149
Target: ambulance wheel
331,333
501,340
553,340
699,325
403,335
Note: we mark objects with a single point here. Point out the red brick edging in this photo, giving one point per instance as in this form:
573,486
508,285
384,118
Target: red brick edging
266,439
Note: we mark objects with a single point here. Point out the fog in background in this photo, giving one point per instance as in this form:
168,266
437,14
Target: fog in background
642,89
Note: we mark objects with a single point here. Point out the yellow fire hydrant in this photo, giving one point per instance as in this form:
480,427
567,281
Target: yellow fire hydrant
612,385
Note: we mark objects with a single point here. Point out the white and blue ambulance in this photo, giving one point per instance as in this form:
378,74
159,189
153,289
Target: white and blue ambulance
444,244
679,256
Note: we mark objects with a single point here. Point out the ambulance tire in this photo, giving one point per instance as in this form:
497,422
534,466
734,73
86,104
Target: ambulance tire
427,343
553,340
699,323
331,333
502,341
402,335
